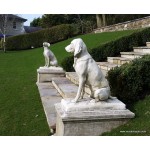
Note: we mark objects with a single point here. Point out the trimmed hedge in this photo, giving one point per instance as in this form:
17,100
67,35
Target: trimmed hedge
36,39
114,48
131,82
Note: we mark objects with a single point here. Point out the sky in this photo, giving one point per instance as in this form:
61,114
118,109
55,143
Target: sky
29,17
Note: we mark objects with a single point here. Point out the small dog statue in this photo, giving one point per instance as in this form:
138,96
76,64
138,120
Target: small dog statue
50,59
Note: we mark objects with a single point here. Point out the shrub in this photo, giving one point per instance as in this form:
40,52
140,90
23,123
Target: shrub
52,35
131,82
114,48
67,63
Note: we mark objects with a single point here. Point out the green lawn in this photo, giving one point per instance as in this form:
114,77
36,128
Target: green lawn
138,126
91,40
21,111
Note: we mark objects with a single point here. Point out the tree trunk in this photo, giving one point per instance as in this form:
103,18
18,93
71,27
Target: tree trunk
4,43
99,20
104,20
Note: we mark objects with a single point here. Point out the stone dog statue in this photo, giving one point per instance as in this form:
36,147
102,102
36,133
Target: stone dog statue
50,58
88,72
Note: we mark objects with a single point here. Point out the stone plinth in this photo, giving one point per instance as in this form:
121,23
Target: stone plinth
88,118
45,74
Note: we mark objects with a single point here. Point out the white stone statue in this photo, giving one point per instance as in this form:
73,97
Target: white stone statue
88,72
50,59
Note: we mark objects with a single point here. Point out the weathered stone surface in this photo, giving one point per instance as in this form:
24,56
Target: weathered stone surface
49,97
145,50
45,74
118,60
148,44
65,87
89,123
131,55
89,104
72,76
107,65
133,24
50,69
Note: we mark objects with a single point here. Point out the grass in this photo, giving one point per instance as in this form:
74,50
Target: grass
21,111
140,125
91,40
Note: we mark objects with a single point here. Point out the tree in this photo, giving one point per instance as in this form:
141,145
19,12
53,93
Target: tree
85,22
4,21
3,28
101,20
49,20
36,22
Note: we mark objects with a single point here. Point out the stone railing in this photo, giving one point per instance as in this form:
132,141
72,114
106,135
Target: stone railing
133,24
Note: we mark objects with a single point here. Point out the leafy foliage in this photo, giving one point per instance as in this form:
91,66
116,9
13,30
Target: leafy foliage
52,35
131,82
114,47
84,22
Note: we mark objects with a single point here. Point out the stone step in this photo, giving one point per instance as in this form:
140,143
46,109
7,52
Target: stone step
72,76
131,55
148,44
118,60
49,96
65,87
145,50
106,65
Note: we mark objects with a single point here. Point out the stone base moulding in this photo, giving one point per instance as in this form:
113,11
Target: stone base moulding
75,120
45,74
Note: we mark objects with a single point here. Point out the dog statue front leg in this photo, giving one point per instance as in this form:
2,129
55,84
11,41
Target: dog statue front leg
83,92
81,87
45,62
48,62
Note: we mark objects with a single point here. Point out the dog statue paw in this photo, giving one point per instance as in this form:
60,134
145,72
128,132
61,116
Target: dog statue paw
74,100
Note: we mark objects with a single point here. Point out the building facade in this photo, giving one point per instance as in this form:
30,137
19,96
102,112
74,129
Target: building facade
14,25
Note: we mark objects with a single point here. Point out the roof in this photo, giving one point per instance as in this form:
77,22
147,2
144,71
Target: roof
16,17
29,29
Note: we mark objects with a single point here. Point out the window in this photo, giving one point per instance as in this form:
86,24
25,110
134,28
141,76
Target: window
14,25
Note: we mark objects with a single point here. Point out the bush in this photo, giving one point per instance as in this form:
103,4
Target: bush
114,48
67,63
36,39
131,82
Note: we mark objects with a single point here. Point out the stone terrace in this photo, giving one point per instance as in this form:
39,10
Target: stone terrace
66,87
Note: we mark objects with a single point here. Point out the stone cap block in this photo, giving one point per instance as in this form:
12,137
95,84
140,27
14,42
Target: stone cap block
97,115
51,70
88,104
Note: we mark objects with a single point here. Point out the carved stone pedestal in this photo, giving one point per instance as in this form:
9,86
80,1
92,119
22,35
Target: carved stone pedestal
87,118
45,74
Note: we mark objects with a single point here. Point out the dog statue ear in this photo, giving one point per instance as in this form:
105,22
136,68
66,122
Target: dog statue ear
48,44
78,49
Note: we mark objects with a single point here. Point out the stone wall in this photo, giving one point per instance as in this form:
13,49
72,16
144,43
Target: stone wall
133,24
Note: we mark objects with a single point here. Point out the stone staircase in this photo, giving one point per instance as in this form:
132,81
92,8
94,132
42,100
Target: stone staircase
66,87
126,57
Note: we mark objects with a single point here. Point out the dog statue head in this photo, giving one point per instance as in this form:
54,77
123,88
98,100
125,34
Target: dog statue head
76,46
46,44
